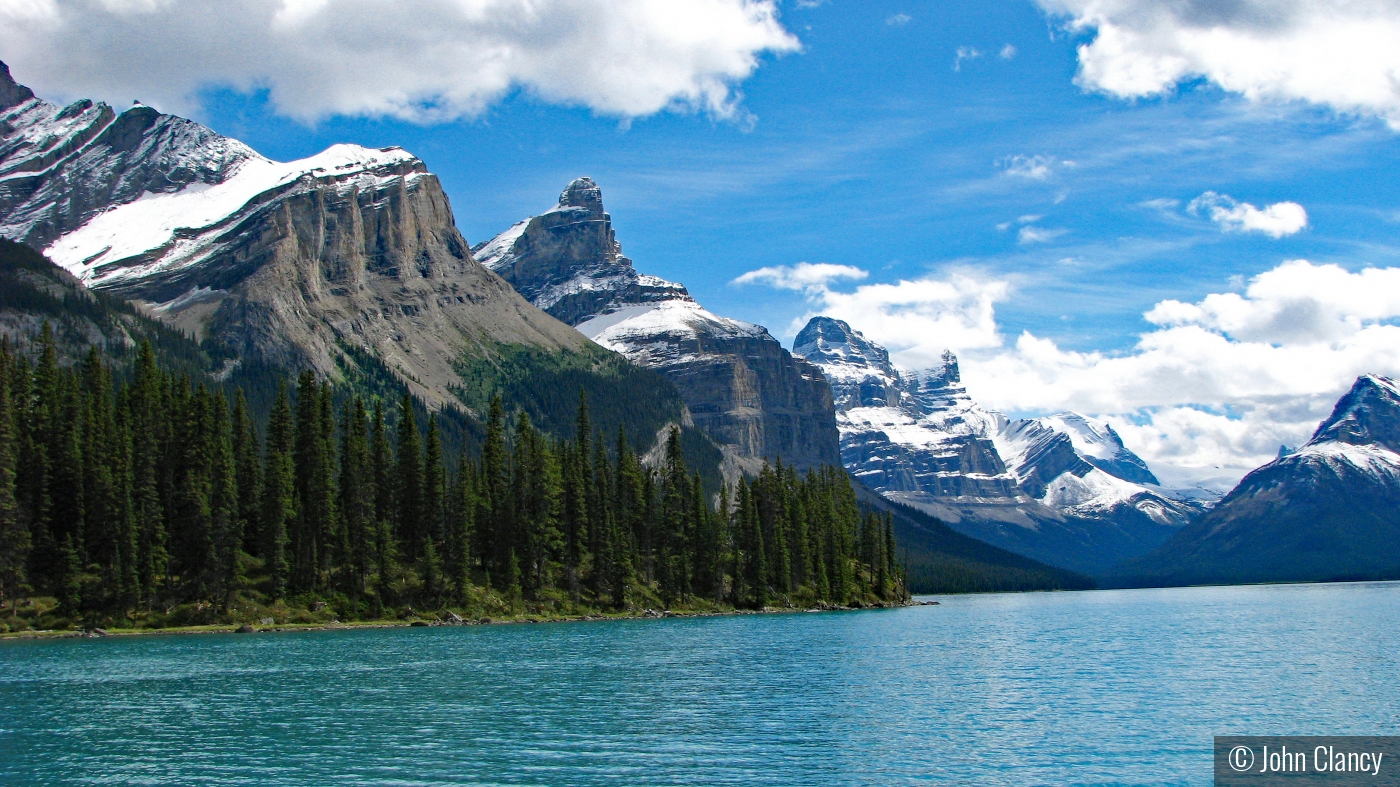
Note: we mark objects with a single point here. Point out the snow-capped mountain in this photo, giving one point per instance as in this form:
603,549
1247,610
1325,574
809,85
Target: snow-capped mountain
1327,511
1064,488
291,263
752,397
1079,466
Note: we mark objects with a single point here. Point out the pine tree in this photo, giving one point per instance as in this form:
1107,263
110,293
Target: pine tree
382,471
461,520
279,493
357,493
148,424
14,532
495,534
249,475
227,519
434,490
408,492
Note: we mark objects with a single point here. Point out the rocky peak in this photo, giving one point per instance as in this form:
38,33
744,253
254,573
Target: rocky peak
830,341
568,262
583,193
1368,414
12,93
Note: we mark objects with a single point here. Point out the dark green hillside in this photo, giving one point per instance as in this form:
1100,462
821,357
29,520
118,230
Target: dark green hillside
544,384
941,560
33,291
621,395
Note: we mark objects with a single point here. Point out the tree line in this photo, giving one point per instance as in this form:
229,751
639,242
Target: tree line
123,492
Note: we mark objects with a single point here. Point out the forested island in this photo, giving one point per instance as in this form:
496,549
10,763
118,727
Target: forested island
136,497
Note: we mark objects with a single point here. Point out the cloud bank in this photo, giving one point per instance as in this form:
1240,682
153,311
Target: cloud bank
1221,382
1337,53
417,60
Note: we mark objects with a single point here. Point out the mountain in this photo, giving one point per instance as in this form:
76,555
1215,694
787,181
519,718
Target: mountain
1329,510
753,398
939,559
34,291
1062,489
348,262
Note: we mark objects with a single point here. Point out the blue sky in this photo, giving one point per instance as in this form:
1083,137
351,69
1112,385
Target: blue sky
1020,181
869,149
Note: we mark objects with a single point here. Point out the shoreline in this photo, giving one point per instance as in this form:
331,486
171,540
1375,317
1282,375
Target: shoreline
232,628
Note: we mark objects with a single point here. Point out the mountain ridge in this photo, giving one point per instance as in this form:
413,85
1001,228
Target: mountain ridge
1028,486
1326,511
756,400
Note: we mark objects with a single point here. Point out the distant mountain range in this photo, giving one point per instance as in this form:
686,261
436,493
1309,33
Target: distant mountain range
350,263
1328,511
1062,489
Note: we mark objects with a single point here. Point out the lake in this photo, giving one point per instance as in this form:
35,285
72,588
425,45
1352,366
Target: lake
1104,687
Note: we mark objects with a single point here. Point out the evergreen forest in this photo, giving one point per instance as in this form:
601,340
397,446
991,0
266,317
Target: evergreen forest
140,497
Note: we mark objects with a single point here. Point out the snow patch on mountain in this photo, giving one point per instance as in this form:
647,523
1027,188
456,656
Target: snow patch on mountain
654,332
173,222
915,431
498,253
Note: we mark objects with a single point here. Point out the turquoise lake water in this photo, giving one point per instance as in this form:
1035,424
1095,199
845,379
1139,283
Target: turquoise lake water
1108,687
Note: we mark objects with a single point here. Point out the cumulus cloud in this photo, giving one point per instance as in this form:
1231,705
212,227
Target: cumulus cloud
1223,381
1007,52
1217,383
899,20
804,276
420,60
957,311
1337,53
1276,220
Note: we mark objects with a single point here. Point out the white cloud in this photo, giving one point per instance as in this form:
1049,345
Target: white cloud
1276,220
899,20
1029,235
1007,52
1030,167
953,312
1338,53
1218,383
804,276
421,60
965,53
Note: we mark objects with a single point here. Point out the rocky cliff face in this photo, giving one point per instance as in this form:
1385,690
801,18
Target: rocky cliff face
1324,512
746,392
297,263
1062,489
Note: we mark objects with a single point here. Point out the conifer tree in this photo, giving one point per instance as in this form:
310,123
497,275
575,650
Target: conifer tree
248,474
279,493
434,490
409,488
357,493
14,532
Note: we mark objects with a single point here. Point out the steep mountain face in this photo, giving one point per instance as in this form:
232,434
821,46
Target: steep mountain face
301,264
1062,489
568,262
742,388
1328,511
915,433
